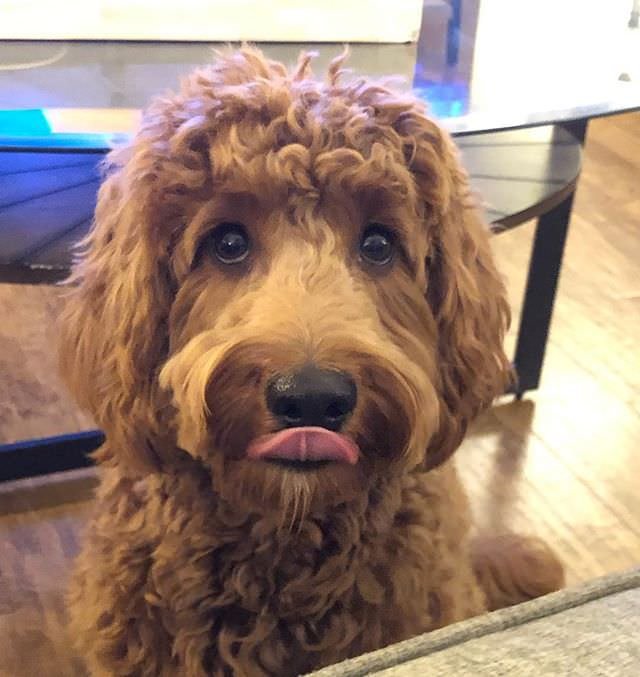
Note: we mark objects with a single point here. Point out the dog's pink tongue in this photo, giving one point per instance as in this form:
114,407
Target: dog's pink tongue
305,444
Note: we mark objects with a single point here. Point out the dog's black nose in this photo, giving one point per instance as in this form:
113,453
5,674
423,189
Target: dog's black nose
312,397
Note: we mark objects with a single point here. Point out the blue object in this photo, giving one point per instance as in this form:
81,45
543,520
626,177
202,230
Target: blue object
23,123
445,99
30,130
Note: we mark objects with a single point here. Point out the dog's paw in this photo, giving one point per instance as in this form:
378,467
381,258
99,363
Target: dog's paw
513,569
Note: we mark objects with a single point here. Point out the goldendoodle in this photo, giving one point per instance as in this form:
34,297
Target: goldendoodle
284,319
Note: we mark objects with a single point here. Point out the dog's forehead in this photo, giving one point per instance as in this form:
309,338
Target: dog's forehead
248,155
285,135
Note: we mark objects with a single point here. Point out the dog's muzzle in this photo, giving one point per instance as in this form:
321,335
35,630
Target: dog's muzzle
311,405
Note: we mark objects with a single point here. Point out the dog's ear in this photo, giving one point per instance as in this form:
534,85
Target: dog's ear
112,329
464,290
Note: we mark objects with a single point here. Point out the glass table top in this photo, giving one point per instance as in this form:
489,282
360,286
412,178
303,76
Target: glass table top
481,65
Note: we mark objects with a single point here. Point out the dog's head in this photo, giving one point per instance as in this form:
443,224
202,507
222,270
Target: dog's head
287,280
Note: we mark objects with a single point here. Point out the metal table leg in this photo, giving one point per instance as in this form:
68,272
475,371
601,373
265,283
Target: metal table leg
542,284
51,454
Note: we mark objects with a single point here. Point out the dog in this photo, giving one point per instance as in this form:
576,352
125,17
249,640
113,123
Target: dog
285,317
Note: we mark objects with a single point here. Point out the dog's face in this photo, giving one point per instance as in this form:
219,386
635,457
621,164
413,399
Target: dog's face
285,282
300,304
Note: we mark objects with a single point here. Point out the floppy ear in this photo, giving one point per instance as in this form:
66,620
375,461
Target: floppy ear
112,334
464,290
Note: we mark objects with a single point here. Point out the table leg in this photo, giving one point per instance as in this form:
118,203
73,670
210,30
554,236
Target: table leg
30,458
542,282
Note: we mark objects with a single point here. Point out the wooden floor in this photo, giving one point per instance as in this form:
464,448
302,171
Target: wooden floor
564,463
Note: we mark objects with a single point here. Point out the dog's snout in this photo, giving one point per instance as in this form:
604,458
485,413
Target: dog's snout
312,397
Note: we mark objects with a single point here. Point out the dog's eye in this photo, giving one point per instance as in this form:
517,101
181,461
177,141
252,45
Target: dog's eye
229,243
377,245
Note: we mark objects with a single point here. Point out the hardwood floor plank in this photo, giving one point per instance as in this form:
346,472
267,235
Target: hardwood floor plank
33,401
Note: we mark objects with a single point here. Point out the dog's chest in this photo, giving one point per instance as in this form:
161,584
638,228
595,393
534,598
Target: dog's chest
227,590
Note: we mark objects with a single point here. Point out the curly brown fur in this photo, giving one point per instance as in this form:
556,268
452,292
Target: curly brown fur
200,560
